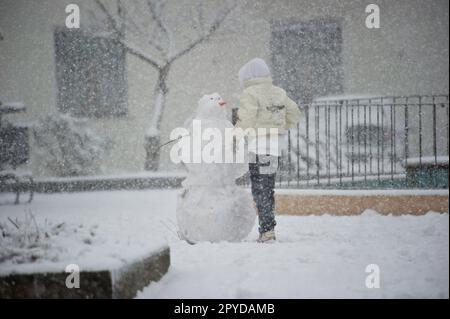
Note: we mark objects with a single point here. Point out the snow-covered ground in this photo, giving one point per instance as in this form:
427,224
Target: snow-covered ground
315,256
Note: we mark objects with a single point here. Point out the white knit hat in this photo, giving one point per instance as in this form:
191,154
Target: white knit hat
254,68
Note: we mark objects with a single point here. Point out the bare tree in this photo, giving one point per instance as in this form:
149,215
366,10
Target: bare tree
162,51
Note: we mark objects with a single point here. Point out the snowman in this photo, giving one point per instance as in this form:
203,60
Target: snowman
211,207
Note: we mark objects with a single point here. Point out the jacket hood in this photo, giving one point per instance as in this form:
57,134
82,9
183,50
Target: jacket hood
258,81
255,68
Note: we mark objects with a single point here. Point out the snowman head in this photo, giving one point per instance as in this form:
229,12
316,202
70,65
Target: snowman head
211,106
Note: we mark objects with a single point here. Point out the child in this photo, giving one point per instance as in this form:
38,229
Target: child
263,105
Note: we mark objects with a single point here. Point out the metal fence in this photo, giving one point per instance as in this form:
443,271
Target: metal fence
373,142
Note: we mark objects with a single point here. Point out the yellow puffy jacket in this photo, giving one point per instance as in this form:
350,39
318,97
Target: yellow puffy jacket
263,105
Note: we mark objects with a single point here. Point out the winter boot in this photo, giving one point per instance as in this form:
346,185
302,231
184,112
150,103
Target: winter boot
267,236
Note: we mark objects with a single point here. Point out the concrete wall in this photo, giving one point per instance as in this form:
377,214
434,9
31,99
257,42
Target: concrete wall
407,55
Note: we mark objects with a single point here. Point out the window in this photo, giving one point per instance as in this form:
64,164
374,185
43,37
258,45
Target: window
307,57
90,74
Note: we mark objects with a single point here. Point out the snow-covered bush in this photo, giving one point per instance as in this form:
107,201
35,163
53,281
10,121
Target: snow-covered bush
67,146
23,241
27,240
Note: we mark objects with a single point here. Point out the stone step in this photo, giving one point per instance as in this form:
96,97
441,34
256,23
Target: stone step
121,283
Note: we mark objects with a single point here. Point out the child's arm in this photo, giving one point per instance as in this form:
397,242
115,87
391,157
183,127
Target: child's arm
247,111
293,113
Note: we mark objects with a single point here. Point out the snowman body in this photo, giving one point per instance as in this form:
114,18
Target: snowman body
211,207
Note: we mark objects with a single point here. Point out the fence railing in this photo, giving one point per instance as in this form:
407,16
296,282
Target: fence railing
369,142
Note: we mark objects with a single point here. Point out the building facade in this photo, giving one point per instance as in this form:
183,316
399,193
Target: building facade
315,49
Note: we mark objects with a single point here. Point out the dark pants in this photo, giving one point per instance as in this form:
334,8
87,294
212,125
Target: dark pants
262,176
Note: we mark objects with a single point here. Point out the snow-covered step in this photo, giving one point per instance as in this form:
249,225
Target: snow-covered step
121,282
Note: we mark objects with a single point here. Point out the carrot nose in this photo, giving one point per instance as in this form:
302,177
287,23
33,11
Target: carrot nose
222,103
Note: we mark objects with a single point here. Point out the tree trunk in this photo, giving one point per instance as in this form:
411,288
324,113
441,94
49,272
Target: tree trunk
153,135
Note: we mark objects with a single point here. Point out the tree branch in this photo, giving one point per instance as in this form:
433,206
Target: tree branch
130,25
130,19
120,37
187,49
156,11
140,54
205,36
112,22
